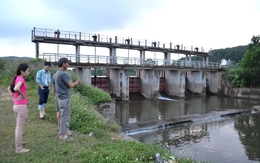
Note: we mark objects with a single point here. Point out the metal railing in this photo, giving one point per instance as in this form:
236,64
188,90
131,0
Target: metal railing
99,59
62,34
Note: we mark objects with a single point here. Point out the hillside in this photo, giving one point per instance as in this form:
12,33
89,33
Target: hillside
17,58
235,54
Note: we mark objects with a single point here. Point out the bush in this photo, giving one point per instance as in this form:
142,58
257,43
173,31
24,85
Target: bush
85,119
94,94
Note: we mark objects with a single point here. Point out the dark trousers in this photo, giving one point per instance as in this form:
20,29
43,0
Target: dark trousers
43,95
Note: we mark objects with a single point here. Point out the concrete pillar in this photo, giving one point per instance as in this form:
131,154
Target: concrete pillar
37,50
167,58
142,57
150,82
207,61
112,54
77,54
175,83
84,74
214,82
189,60
119,83
196,82
186,60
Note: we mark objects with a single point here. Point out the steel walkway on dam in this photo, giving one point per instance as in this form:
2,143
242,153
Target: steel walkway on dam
41,35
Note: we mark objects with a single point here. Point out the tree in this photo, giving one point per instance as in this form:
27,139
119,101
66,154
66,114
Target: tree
248,70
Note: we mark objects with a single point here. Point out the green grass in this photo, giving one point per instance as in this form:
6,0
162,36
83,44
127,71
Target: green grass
42,136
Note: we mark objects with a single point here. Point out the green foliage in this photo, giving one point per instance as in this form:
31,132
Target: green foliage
10,66
248,70
132,72
2,64
98,72
8,70
235,54
230,73
94,94
114,152
85,119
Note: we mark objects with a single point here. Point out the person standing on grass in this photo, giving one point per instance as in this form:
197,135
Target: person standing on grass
56,100
63,82
17,90
43,78
56,103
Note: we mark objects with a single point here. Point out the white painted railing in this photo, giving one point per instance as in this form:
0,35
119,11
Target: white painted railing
76,58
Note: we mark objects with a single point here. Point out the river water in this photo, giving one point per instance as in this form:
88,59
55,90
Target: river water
216,139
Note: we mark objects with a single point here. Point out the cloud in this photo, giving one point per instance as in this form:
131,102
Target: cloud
208,24
87,15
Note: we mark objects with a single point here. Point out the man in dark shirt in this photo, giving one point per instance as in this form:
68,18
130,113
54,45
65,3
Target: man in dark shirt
63,82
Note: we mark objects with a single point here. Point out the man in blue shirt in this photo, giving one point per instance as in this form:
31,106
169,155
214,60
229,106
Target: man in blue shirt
43,78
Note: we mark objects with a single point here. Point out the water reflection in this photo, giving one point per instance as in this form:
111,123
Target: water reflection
225,140
147,111
248,130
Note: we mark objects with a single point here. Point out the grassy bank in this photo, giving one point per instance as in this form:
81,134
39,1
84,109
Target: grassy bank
41,136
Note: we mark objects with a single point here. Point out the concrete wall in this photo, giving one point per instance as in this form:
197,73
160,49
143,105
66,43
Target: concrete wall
196,82
119,83
175,83
84,74
150,83
108,110
226,87
214,82
246,93
227,90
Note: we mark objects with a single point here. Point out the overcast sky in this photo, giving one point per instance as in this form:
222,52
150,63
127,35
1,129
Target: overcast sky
204,23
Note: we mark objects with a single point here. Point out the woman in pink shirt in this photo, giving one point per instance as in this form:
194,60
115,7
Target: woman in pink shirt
17,90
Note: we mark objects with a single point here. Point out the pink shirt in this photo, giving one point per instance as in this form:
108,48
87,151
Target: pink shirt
23,89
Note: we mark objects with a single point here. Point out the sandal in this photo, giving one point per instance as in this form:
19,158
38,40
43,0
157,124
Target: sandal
66,138
23,150
69,133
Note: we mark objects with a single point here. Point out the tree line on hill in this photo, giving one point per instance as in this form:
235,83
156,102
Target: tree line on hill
235,54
